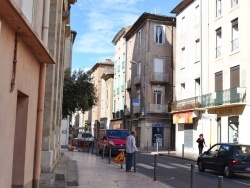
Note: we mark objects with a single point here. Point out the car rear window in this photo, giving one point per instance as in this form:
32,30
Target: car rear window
243,149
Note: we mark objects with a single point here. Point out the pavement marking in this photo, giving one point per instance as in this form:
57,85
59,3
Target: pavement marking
145,166
180,165
164,166
241,182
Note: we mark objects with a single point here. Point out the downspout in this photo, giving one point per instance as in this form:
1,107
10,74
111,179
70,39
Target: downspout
41,96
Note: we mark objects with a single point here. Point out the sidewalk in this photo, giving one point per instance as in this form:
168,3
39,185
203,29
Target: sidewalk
95,172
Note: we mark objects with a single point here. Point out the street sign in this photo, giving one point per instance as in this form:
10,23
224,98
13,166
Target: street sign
120,158
136,102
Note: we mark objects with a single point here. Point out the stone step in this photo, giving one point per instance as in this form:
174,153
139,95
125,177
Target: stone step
72,173
47,180
61,168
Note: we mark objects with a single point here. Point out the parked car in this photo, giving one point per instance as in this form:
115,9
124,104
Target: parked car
86,137
114,138
227,158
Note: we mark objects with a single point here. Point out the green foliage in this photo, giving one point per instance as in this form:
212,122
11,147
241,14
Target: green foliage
79,94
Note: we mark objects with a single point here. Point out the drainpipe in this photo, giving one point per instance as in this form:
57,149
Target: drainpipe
41,93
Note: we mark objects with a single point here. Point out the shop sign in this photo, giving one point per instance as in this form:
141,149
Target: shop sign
184,117
136,102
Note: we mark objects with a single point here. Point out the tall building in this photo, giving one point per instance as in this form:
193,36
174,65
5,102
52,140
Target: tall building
220,111
99,72
150,51
120,67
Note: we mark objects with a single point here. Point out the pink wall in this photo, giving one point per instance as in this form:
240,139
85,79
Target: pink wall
27,81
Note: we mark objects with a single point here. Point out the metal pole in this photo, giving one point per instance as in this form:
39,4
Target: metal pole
155,165
103,152
182,150
135,161
192,175
156,146
109,154
220,181
168,148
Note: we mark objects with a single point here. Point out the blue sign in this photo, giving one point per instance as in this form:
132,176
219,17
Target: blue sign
136,102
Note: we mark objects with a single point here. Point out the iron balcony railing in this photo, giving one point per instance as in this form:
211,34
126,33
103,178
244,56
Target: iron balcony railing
227,96
159,77
185,104
137,79
158,108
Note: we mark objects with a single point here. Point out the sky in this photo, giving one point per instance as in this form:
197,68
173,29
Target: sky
98,21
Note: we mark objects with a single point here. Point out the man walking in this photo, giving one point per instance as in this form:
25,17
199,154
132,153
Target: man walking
130,149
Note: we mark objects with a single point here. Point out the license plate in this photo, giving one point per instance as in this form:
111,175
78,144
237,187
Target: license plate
247,168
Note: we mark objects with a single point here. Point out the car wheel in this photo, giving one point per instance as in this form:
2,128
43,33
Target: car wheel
201,167
227,172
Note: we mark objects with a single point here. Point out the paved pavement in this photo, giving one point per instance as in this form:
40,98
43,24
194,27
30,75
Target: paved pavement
95,172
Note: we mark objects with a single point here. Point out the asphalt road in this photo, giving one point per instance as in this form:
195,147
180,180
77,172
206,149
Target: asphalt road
177,173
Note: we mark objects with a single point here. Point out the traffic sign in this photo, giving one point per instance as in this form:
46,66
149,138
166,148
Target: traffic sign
120,158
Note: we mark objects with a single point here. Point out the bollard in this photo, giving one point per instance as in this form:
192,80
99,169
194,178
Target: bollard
220,181
135,161
168,148
183,150
155,165
156,146
192,175
109,154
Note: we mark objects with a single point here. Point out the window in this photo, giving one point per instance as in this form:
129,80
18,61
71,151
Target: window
157,97
218,8
197,50
218,43
197,87
139,39
158,65
234,82
234,3
233,129
183,91
183,58
235,35
218,88
159,35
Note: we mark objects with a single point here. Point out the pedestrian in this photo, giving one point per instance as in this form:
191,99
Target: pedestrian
130,150
201,143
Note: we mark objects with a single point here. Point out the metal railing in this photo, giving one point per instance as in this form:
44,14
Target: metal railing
227,96
185,104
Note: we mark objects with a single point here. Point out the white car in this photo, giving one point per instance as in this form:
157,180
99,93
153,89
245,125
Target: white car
88,137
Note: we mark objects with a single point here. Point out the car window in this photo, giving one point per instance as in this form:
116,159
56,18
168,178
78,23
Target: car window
241,150
117,133
214,150
224,149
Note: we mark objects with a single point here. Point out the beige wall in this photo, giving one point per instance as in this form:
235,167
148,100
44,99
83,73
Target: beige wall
27,81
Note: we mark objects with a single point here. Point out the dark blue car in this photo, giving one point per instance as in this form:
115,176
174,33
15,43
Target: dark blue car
227,158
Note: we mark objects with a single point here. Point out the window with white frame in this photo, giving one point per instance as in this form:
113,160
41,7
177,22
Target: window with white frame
197,50
159,34
235,35
218,43
218,8
234,3
139,39
157,96
183,91
158,65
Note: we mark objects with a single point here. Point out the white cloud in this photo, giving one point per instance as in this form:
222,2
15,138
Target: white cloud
102,19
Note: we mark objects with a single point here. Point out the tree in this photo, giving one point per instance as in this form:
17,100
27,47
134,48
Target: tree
79,94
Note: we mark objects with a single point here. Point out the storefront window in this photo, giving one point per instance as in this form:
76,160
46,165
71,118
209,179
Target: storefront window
157,136
233,129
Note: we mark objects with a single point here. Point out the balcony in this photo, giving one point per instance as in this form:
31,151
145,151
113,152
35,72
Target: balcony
128,84
227,96
127,112
158,108
137,79
136,109
158,77
186,104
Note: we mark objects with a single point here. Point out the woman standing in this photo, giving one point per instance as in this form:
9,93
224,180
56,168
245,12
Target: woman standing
201,143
